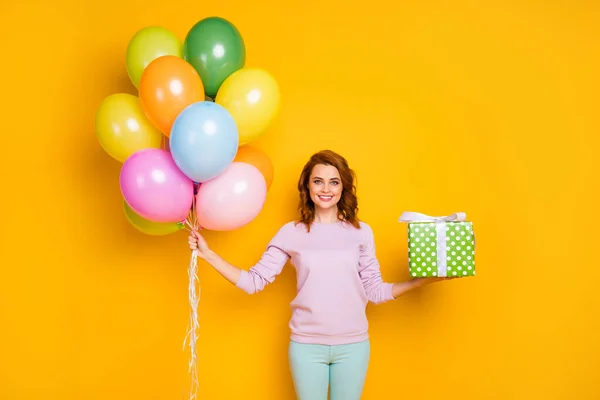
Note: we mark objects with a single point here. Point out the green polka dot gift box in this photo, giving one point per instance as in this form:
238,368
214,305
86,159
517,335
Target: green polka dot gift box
440,246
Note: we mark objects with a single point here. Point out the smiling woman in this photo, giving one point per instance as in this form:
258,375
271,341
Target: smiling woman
338,273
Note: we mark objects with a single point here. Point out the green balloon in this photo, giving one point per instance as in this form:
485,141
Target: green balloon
216,49
150,227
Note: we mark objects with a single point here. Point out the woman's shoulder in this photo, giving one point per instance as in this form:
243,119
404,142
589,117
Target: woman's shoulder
289,227
283,235
365,230
364,225
299,226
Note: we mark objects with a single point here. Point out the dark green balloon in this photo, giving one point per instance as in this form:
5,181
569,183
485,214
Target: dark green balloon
216,49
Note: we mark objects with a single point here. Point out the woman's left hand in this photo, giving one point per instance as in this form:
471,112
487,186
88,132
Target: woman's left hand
440,278
400,288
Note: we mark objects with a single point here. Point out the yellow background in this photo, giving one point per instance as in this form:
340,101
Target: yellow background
485,107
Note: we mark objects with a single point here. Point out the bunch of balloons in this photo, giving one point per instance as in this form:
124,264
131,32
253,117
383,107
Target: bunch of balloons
183,140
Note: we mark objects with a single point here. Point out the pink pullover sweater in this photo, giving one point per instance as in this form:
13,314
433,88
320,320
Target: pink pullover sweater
337,274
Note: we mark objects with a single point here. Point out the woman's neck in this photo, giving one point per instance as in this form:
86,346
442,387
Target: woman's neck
327,216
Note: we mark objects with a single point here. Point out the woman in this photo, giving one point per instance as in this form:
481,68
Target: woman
337,275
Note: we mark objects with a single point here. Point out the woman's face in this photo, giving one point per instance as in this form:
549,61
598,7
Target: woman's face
325,186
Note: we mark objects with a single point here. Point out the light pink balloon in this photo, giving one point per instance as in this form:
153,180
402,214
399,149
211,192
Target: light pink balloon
155,188
232,199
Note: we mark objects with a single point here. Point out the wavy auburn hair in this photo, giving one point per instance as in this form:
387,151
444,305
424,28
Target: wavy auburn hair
348,203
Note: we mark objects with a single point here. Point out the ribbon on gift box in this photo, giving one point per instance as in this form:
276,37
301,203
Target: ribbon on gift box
440,228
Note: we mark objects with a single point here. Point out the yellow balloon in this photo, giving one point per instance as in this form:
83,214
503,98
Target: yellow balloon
150,227
122,128
252,96
148,44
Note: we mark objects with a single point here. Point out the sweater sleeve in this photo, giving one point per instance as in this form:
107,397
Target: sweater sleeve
377,290
268,267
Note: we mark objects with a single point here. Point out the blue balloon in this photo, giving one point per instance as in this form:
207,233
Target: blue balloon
204,140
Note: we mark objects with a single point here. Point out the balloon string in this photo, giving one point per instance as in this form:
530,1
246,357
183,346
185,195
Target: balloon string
191,337
192,334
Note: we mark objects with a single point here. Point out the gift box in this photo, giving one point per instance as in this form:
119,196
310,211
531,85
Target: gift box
440,246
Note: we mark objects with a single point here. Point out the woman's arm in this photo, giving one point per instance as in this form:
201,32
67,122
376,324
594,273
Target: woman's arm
257,278
228,271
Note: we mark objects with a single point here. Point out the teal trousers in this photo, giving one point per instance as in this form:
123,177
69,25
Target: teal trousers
318,369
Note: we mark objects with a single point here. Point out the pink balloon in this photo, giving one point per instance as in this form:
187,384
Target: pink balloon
155,188
232,199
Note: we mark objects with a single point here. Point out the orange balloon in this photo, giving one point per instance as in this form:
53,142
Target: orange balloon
167,86
259,159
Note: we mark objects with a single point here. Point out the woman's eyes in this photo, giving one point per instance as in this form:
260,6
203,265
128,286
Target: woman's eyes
318,182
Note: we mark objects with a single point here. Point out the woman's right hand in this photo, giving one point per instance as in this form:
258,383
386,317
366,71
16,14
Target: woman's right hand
198,243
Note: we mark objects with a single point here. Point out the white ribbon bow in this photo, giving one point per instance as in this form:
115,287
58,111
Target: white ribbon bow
409,216
440,228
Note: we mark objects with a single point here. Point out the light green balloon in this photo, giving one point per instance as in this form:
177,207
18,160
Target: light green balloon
148,44
150,227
